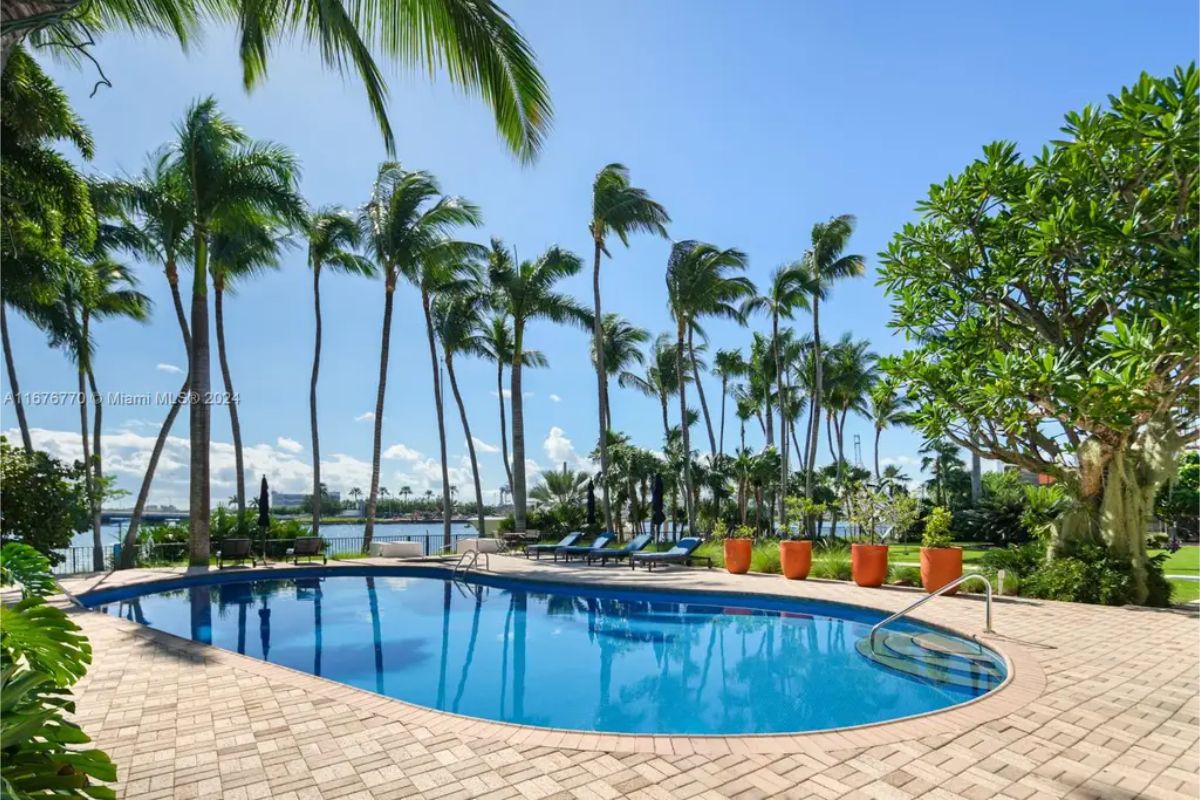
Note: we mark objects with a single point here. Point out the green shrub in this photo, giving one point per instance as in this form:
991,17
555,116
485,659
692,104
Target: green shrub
831,562
937,528
45,502
765,558
906,576
1016,559
1090,574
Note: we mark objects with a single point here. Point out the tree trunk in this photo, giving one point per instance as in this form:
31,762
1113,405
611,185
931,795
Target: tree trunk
976,478
601,383
18,405
712,439
683,425
441,419
373,497
796,445
312,404
878,477
88,466
503,423
721,434
815,400
662,398
783,442
234,424
831,440
518,432
200,421
97,457
462,413
128,548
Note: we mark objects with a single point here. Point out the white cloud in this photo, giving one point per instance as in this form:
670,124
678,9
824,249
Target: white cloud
171,368
483,446
366,417
401,452
555,398
559,449
508,394
900,461
289,445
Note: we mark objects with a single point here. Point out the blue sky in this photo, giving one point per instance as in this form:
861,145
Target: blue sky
748,127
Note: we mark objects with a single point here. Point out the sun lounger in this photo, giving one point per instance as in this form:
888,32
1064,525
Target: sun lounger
599,543
307,547
617,553
536,550
681,553
234,550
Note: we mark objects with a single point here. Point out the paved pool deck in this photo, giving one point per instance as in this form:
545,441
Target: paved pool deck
1101,703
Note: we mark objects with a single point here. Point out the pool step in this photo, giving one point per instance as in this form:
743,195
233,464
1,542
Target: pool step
934,657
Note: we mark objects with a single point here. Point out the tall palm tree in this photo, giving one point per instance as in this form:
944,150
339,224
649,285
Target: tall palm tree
332,236
824,264
561,488
496,342
405,228
727,364
887,409
786,292
618,209
457,318
622,349
225,172
241,245
700,283
474,41
525,291
661,379
852,373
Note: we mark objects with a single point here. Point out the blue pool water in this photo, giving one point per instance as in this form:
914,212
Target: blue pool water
583,658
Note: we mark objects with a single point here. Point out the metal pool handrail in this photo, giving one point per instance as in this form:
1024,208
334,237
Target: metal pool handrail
987,623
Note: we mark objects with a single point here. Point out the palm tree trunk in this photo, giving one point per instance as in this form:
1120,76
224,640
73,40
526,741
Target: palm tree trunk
97,459
462,413
724,394
88,467
712,439
878,430
815,400
687,446
373,497
783,441
22,423
200,422
234,423
796,443
601,383
662,397
312,403
503,423
441,419
518,432
831,439
976,477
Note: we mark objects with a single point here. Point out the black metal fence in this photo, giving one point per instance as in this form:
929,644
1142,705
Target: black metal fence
75,560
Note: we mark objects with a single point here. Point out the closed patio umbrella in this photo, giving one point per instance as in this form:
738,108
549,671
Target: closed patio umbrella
591,505
656,504
264,515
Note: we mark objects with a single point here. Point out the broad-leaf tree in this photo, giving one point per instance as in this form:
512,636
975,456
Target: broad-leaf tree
1053,305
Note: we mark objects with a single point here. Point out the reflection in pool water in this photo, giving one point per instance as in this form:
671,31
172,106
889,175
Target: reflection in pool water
534,654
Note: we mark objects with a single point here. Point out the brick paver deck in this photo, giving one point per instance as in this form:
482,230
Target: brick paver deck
1103,703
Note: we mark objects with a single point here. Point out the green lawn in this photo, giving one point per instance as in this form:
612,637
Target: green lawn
1184,562
911,553
1185,591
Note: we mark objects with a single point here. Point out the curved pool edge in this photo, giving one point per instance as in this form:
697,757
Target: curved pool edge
1024,681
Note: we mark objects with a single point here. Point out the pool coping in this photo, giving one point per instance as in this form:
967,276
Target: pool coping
1024,682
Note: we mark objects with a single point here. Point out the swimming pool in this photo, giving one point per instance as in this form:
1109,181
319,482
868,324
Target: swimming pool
569,656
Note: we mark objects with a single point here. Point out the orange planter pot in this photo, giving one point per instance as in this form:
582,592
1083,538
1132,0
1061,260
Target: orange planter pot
939,566
869,564
737,556
796,559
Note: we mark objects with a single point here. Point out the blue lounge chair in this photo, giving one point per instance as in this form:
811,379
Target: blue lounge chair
599,543
536,550
617,553
681,553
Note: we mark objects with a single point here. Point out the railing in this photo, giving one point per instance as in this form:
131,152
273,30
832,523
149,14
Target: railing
987,622
75,560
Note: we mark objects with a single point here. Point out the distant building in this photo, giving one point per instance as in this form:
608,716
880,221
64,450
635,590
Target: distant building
295,499
1030,477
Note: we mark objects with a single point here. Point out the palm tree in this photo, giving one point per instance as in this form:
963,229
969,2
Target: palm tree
727,364
825,264
560,488
619,209
851,374
661,379
893,479
405,492
941,460
474,40
225,172
699,284
496,341
332,238
356,493
457,319
241,245
785,293
887,409
622,349
526,292
404,226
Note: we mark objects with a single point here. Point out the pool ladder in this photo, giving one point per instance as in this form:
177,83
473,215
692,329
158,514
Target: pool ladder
987,622
467,560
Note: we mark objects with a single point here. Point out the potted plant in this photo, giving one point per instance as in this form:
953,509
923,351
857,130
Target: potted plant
940,563
737,550
795,555
869,558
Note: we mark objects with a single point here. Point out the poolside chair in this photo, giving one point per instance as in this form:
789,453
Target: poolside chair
617,553
307,547
536,550
599,543
234,550
681,553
